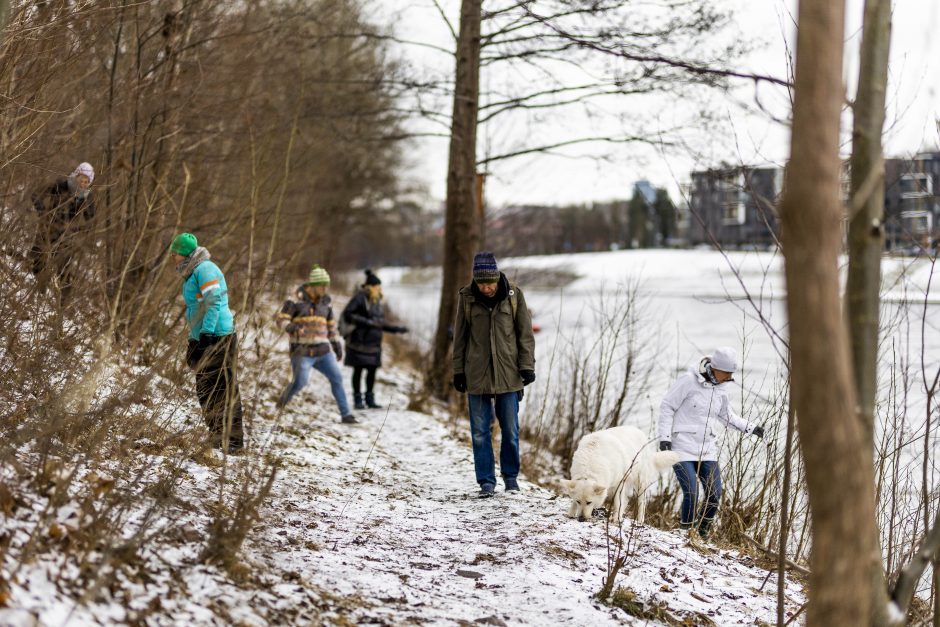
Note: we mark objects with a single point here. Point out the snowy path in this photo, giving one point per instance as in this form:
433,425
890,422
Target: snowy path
383,515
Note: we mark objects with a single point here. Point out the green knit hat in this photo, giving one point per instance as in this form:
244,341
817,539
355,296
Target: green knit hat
318,276
184,244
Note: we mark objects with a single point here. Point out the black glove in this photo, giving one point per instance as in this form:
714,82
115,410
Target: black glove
759,432
193,353
528,376
665,445
520,395
338,349
205,341
401,329
460,382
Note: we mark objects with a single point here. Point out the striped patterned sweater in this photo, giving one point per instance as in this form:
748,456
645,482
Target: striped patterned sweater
310,325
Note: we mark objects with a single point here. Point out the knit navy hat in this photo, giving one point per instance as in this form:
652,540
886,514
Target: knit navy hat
485,269
371,279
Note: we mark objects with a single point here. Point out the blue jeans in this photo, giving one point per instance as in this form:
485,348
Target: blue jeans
481,420
328,366
689,474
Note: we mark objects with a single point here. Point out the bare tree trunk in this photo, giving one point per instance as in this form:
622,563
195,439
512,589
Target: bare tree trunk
4,12
839,473
462,226
785,518
866,239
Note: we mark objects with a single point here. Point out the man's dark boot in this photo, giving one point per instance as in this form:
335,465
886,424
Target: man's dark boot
705,527
370,401
357,400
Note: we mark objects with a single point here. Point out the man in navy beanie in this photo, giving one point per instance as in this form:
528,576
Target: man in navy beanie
494,357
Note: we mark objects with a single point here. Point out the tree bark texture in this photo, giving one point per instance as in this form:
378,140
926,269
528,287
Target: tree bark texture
866,233
461,227
839,472
866,240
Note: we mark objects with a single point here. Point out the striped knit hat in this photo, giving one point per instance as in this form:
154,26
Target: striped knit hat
318,276
485,269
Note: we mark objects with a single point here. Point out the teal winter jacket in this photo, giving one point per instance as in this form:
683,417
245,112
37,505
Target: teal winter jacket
206,296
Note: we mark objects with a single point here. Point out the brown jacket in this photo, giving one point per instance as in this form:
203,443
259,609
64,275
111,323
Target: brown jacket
491,346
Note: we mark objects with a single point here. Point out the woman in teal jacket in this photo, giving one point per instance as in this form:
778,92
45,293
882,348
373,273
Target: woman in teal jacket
213,346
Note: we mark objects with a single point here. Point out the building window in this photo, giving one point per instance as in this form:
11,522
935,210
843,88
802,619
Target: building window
732,198
917,222
915,185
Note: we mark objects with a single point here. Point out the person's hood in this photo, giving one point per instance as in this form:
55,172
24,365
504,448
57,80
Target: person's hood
699,373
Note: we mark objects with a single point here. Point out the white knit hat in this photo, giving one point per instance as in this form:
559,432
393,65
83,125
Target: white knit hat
725,359
84,168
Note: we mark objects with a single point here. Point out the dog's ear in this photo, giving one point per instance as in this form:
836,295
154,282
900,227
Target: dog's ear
599,489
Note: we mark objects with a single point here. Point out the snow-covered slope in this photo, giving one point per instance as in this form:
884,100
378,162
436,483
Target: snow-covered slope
378,523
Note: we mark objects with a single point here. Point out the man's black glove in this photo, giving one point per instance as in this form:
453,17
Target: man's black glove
400,330
759,432
338,349
665,445
528,376
460,382
193,353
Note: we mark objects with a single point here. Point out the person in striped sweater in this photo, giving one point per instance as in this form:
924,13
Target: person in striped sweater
212,352
314,340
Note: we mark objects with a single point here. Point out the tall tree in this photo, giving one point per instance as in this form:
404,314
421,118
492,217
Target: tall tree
462,226
866,234
839,474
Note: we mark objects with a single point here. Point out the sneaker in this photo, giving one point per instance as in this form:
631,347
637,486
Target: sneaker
487,490
349,419
511,484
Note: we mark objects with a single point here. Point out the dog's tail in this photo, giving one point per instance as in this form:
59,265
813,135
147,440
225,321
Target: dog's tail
663,460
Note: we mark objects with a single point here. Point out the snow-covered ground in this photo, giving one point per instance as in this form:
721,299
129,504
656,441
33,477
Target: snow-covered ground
377,524
391,509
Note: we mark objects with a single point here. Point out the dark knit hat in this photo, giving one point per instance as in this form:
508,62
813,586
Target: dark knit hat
371,279
485,269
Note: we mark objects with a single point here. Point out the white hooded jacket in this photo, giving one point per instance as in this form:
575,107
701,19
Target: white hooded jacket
689,414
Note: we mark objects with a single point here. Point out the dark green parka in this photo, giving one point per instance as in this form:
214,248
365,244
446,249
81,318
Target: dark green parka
491,346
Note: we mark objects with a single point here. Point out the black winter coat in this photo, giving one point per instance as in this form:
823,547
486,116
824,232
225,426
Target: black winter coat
364,344
61,212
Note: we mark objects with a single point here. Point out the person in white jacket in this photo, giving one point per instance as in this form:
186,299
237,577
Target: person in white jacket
688,416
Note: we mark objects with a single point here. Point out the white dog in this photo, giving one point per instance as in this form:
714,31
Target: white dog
614,463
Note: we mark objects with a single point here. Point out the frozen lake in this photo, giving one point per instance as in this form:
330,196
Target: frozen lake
689,301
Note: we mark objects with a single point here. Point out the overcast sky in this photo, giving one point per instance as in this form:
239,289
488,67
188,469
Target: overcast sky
571,176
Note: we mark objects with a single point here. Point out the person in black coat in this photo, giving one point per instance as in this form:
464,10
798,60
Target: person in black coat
65,209
365,315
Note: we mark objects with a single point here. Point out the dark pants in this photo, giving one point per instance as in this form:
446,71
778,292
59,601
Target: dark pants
217,388
52,259
357,379
481,420
689,475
